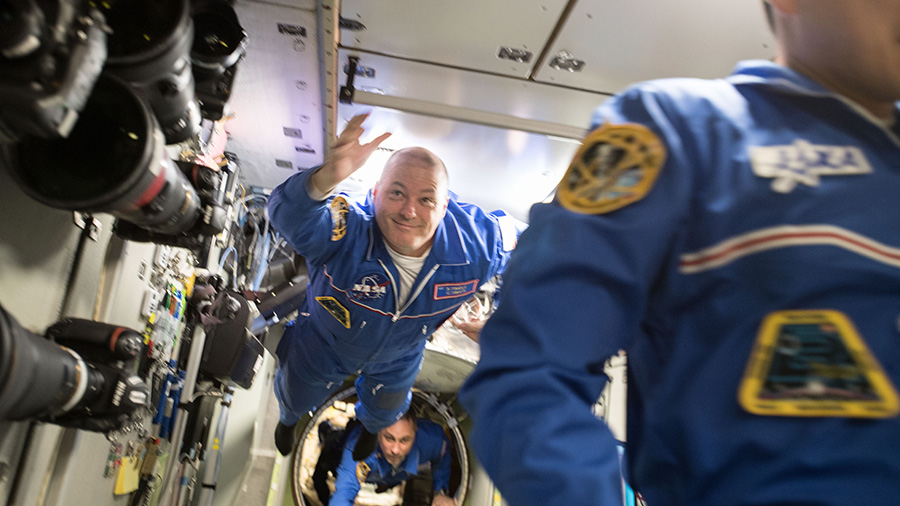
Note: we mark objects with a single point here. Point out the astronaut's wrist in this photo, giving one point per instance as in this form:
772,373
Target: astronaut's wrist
314,185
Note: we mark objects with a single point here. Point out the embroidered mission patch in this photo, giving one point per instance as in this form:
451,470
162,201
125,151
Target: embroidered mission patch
339,211
362,472
615,166
336,309
814,363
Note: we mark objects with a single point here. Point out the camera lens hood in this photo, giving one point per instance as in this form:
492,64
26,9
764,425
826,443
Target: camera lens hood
114,161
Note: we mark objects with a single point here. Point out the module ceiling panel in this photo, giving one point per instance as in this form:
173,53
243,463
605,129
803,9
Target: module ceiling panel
472,90
460,33
620,42
629,41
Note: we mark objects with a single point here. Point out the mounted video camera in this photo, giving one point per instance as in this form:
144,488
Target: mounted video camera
79,375
85,140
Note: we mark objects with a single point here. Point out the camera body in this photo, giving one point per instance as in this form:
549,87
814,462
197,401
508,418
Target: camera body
81,374
51,53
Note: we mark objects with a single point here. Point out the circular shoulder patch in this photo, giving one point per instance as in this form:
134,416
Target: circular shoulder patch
339,211
362,472
615,166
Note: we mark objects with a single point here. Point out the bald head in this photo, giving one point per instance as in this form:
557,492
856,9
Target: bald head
420,158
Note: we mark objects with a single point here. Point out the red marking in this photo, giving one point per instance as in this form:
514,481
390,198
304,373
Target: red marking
153,190
793,235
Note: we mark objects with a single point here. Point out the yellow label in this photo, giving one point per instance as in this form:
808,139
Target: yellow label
616,165
129,476
815,363
336,309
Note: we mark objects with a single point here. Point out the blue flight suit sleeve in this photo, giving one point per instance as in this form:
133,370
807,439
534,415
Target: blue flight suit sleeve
575,293
346,484
441,473
510,229
493,234
307,224
437,446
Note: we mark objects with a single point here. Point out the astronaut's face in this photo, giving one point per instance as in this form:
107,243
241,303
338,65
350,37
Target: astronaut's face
850,46
410,202
396,441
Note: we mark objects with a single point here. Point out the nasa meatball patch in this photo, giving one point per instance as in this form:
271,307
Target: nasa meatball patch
339,211
370,287
616,165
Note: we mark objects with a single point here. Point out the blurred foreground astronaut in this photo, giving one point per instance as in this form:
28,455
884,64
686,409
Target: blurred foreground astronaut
737,237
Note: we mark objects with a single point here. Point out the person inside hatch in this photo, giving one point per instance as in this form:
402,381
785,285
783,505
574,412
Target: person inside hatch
409,448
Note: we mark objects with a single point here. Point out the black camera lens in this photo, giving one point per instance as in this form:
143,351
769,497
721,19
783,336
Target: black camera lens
219,39
149,48
114,161
107,142
80,381
142,30
219,43
37,376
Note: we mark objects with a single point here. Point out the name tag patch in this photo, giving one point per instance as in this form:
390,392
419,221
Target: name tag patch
336,309
370,287
454,290
814,363
339,211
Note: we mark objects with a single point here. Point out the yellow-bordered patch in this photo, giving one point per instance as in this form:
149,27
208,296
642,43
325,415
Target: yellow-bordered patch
615,166
362,472
336,309
340,209
815,363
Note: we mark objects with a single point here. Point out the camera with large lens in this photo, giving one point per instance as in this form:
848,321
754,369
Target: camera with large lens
114,161
149,48
80,139
80,375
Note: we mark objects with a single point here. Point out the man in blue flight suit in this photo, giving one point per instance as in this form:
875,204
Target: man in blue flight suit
404,449
738,239
384,274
